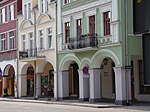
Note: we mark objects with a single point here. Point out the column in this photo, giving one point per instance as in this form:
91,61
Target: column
38,85
5,86
55,85
95,87
63,87
83,86
123,85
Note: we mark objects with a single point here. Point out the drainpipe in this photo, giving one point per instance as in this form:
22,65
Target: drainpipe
35,53
17,80
127,67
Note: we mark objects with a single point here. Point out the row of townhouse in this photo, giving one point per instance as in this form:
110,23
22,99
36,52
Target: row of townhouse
80,49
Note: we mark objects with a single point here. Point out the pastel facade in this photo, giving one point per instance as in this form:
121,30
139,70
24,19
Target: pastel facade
95,51
8,47
37,48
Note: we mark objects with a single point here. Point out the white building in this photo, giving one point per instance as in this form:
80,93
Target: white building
37,48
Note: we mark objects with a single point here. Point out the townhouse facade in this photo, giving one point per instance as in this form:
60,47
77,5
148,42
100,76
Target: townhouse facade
37,48
96,52
8,46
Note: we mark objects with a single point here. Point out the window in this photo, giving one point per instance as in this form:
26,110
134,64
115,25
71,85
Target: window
49,36
31,44
92,24
67,31
44,6
2,15
106,19
11,12
11,40
66,1
23,42
25,11
79,27
41,42
29,10
3,42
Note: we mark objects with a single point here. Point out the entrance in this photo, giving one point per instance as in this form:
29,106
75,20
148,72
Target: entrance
30,81
73,80
107,80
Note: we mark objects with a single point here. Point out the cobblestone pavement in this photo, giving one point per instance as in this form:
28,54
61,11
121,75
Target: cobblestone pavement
37,107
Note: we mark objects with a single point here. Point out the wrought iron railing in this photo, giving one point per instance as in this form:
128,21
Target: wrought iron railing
83,41
29,53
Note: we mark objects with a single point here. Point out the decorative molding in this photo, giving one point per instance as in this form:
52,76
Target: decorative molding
91,12
78,15
66,19
85,7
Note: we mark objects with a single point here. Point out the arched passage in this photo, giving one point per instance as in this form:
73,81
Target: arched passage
69,77
27,80
8,80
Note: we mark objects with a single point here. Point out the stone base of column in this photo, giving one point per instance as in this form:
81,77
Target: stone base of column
83,99
62,98
124,102
95,100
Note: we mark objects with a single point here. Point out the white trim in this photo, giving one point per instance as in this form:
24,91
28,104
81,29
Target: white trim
85,7
66,19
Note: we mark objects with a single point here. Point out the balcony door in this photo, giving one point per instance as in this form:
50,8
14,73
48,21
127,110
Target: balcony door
31,45
92,24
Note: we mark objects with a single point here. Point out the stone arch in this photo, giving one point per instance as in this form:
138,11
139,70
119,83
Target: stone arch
24,22
85,61
42,16
24,68
100,55
6,69
40,68
66,60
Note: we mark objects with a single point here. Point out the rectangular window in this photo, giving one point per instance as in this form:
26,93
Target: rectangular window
25,11
3,42
23,42
29,10
49,36
66,1
11,12
11,40
106,22
2,15
44,6
92,24
31,44
79,27
41,41
67,31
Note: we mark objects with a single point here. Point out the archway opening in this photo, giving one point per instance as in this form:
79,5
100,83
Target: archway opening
73,79
30,81
47,81
11,78
107,79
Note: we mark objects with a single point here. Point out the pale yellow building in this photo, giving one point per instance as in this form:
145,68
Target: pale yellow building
37,49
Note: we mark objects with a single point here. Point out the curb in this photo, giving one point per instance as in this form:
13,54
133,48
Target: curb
61,103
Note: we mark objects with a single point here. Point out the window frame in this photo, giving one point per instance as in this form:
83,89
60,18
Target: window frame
106,23
13,40
11,12
41,43
3,40
49,35
67,31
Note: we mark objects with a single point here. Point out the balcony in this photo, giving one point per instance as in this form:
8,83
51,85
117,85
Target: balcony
83,41
31,53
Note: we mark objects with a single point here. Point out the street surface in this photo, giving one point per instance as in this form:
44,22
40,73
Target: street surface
37,107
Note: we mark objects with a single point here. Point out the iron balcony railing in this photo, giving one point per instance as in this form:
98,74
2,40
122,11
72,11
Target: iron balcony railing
29,53
83,41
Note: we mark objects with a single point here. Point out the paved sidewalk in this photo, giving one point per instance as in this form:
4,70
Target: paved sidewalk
65,102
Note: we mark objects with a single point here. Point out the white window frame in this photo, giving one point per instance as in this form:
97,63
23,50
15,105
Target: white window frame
23,46
41,37
4,42
2,15
11,12
44,6
11,45
49,35
27,10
